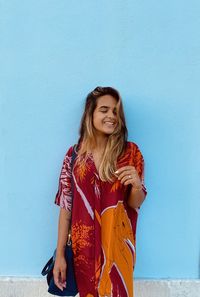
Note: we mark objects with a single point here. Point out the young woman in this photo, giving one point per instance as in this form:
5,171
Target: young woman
108,190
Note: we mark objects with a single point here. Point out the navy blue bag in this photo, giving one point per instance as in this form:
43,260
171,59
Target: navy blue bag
71,286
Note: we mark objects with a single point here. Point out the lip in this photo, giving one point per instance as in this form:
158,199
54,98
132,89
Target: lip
110,122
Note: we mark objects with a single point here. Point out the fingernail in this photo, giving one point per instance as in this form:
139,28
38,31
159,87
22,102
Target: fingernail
116,171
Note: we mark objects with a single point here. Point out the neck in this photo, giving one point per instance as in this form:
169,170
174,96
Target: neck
101,141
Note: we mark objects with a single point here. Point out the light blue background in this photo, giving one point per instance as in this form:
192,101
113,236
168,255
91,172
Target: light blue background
52,53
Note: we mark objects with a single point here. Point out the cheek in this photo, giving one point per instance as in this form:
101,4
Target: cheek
97,119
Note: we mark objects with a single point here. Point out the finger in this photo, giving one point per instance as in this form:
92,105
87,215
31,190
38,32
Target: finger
124,168
128,178
129,182
123,175
63,276
56,276
129,173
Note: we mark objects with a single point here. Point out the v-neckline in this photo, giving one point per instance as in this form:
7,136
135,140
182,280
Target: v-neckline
92,159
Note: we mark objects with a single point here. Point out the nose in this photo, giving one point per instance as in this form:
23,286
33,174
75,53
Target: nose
111,114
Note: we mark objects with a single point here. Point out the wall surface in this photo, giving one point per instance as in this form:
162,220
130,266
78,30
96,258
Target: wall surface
52,53
34,287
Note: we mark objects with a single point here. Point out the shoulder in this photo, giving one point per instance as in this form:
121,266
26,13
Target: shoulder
134,151
135,157
132,146
69,151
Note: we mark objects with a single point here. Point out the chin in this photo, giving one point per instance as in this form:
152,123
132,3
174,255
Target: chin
109,132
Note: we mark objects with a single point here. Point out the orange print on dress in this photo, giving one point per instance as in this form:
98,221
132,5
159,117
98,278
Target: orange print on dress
82,168
116,186
81,239
118,249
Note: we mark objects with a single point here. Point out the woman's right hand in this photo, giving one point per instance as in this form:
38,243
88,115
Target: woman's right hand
59,272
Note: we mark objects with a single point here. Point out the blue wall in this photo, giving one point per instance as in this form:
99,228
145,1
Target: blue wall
52,53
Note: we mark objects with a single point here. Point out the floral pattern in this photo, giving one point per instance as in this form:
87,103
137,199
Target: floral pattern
103,225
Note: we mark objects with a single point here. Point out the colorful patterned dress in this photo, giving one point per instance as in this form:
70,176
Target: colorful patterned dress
103,225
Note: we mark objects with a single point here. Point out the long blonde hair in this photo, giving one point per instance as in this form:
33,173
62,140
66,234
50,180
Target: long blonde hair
116,141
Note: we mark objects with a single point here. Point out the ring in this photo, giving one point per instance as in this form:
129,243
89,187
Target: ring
129,176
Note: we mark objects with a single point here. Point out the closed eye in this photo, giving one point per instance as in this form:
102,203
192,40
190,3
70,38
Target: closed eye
103,109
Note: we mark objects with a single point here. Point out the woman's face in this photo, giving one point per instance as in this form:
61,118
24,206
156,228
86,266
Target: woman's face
105,115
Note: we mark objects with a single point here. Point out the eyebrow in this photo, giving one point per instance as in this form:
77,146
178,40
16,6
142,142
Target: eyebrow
103,106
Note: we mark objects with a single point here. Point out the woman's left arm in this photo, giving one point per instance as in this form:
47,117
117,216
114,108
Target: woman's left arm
128,176
136,197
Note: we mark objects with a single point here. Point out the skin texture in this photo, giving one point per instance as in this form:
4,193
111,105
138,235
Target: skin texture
59,271
105,116
104,121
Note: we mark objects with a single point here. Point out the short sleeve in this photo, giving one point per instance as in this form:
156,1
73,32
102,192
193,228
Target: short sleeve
139,165
64,194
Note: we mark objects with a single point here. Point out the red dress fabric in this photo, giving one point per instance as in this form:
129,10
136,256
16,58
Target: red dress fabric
103,225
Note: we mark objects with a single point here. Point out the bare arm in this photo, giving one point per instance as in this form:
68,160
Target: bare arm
63,230
60,266
136,197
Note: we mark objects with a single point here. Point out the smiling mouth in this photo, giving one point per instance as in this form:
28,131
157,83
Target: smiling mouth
110,123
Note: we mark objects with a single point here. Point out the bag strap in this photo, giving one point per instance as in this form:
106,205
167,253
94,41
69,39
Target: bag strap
74,154
48,266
